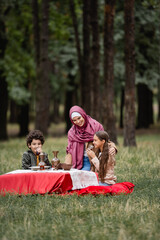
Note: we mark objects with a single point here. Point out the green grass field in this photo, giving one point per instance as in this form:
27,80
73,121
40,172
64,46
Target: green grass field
134,216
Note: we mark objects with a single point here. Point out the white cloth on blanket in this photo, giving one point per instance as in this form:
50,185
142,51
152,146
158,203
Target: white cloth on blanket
82,179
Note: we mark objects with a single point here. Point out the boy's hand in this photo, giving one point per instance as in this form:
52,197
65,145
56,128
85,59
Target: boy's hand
38,150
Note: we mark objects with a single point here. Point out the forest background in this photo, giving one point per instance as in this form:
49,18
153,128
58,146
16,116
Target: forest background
101,55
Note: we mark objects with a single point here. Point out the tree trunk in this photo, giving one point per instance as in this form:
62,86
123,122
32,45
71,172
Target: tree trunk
55,116
42,86
14,110
23,117
129,118
83,58
24,109
79,53
158,117
24,120
3,86
71,97
109,118
85,80
151,118
3,107
95,83
68,105
121,108
145,106
75,26
36,30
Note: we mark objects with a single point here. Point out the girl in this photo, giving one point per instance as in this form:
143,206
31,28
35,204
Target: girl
103,162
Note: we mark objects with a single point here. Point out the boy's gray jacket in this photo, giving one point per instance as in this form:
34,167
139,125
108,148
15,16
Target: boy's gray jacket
29,159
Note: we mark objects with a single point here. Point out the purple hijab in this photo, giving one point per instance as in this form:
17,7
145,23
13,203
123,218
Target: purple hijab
77,136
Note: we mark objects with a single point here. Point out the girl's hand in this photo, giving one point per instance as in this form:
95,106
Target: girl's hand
90,153
112,151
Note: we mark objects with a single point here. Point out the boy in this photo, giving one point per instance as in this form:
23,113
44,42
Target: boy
34,141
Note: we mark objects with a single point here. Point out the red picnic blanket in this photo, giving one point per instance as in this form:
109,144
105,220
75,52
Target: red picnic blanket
115,189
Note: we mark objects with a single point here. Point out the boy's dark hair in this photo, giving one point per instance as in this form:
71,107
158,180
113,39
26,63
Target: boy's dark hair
35,134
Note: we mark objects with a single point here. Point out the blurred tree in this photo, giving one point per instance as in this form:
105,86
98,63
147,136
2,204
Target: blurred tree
62,53
13,112
119,67
42,61
36,31
146,51
130,115
121,107
70,94
108,109
145,106
86,63
158,117
77,38
18,64
146,61
95,61
88,57
24,108
3,83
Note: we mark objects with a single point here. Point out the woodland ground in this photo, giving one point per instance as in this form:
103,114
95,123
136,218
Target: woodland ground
125,217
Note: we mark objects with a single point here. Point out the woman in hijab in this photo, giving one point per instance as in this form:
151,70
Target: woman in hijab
80,134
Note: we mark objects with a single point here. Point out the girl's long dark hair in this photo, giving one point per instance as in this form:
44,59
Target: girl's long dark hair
102,135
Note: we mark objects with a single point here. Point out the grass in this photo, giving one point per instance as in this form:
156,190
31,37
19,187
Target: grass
133,216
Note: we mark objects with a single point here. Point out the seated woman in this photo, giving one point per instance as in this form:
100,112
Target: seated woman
80,134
